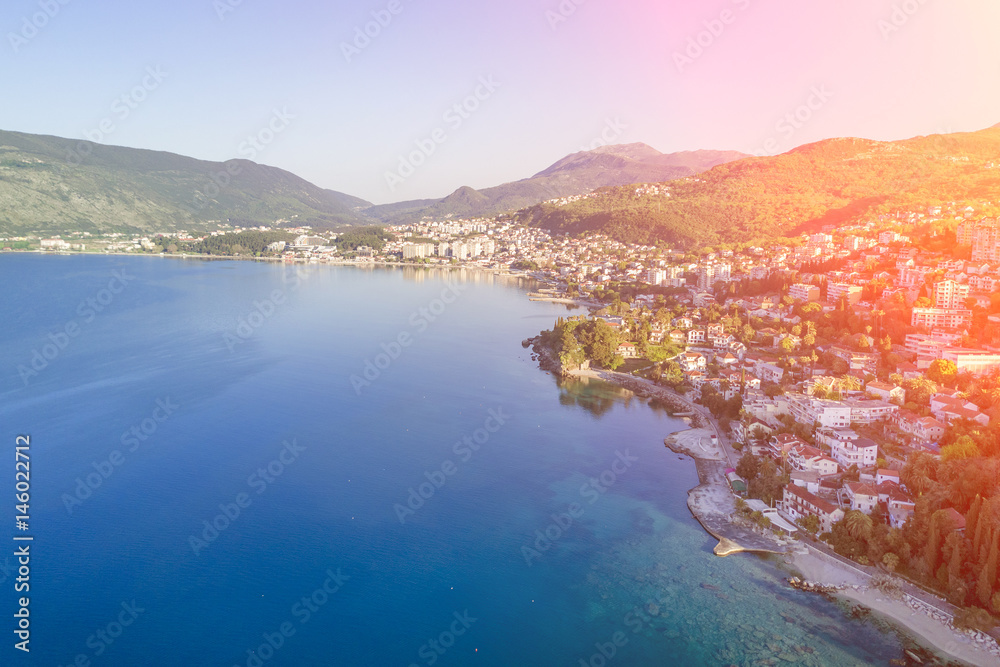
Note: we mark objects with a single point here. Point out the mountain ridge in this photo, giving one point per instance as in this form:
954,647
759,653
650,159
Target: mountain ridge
574,174
821,183
54,183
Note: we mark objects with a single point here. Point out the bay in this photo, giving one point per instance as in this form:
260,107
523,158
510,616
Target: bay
235,393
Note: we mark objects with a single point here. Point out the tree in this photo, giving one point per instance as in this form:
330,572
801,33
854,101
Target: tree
988,575
963,448
942,372
673,375
656,353
787,345
891,561
748,467
859,524
932,551
810,524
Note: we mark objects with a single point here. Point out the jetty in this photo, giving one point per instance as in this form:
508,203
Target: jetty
711,502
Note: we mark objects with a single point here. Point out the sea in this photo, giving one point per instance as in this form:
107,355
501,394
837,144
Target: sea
237,463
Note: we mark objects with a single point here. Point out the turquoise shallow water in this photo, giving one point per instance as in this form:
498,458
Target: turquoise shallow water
540,540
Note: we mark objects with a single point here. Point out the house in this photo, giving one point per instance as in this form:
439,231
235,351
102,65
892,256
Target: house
956,519
928,429
798,503
683,323
866,411
886,392
723,342
780,445
727,359
807,479
769,372
805,457
883,475
951,406
628,350
894,497
860,452
677,337
692,361
695,336
860,496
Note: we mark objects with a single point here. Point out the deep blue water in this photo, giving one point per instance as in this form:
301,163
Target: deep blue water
234,395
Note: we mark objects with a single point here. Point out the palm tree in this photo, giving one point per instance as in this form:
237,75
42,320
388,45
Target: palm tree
859,524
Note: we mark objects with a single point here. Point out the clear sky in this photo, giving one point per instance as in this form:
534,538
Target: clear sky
720,74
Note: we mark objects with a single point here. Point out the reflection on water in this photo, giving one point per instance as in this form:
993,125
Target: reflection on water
595,396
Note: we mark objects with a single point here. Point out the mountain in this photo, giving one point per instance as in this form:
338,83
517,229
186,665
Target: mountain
575,174
823,183
51,184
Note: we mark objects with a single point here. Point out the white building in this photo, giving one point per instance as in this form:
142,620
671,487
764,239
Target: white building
829,414
804,292
949,294
859,451
836,291
931,318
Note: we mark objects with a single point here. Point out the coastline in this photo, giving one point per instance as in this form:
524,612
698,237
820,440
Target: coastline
712,504
923,621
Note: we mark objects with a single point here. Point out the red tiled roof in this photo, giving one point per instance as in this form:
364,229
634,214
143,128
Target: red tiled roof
817,502
957,519
861,488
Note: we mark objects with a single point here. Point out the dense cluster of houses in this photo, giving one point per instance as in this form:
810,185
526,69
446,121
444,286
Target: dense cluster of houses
817,487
